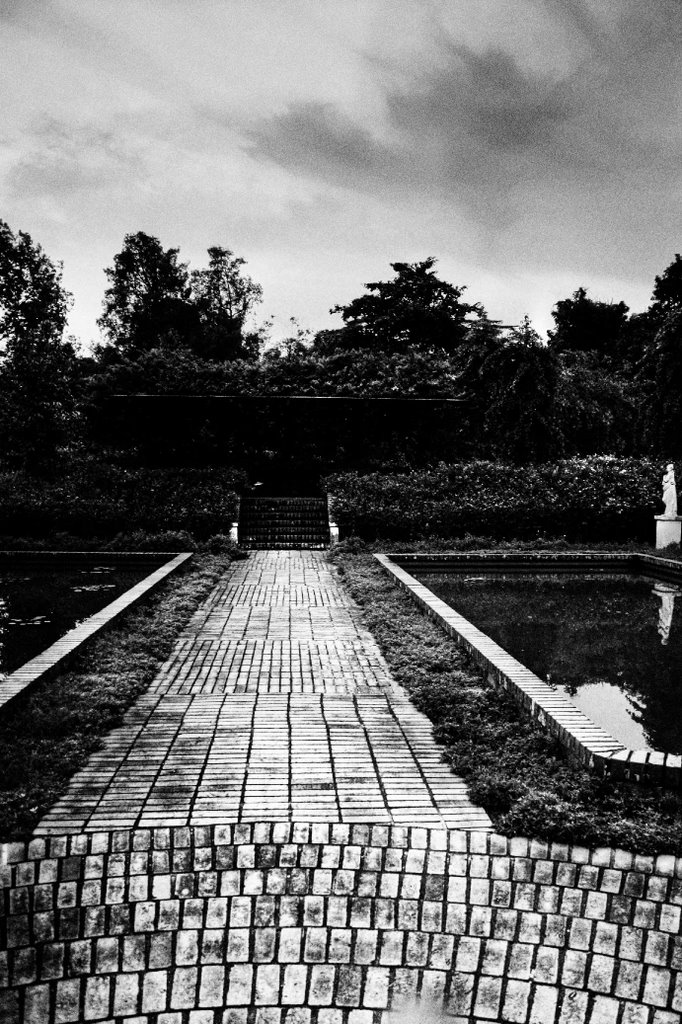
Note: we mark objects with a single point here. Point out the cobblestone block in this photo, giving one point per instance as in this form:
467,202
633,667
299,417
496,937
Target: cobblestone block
488,998
96,1004
126,994
267,984
376,987
516,1001
322,979
657,985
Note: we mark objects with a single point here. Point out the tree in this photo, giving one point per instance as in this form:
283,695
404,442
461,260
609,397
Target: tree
586,325
38,367
518,378
148,301
661,378
416,308
667,296
597,406
224,297
32,297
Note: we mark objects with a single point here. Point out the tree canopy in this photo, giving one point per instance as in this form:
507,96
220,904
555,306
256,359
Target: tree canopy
667,296
415,309
586,325
148,298
224,296
153,301
37,369
32,297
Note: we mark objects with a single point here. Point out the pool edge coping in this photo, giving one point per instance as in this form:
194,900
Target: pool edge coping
591,744
18,683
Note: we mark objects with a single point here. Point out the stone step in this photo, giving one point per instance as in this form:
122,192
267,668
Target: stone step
282,523
304,503
269,517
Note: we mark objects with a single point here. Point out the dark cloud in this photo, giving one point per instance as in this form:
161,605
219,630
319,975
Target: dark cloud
483,97
468,129
481,128
318,139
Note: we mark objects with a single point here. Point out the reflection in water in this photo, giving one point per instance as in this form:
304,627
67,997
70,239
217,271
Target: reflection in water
611,643
667,594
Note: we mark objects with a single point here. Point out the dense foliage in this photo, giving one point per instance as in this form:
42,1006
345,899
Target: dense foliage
103,499
37,364
607,383
598,498
525,779
153,302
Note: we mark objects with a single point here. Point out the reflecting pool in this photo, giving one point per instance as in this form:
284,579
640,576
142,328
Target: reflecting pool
611,644
39,605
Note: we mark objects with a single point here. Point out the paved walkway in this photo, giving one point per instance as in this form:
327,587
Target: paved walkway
174,884
275,704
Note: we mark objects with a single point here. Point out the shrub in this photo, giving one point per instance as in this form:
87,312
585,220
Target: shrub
139,540
94,498
595,498
221,543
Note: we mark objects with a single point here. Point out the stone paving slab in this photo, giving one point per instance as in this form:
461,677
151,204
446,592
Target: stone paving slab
219,665
335,924
196,760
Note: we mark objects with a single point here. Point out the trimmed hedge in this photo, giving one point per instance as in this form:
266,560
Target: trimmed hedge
106,499
595,498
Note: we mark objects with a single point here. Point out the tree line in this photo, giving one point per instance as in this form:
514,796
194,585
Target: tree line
607,381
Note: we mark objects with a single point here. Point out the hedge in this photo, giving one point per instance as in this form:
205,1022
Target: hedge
106,499
581,499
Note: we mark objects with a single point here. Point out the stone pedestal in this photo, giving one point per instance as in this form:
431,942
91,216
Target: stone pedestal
668,530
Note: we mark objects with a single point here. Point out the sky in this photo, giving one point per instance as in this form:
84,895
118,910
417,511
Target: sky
531,146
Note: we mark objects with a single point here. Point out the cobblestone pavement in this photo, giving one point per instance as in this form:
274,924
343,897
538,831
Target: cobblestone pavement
177,882
335,924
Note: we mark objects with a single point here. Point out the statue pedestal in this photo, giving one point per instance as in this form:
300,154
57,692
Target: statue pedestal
668,530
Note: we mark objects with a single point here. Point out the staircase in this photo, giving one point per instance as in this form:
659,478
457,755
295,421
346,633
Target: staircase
283,523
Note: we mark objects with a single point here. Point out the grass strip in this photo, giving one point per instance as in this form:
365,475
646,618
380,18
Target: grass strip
51,734
524,778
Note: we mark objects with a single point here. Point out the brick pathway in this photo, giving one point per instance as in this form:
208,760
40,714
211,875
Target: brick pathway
275,703
157,893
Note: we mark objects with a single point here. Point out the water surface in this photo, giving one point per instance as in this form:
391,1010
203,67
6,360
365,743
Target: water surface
611,644
39,605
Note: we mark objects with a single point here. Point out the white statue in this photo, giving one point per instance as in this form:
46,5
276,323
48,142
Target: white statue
670,492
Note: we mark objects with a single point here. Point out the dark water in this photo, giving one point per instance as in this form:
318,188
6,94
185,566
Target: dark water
37,606
612,644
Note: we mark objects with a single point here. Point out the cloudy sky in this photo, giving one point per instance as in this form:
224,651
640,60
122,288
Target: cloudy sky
532,146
